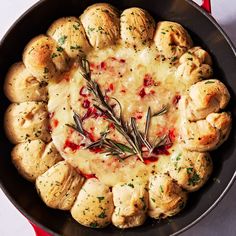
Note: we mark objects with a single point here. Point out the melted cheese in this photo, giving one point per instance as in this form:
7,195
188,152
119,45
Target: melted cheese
138,79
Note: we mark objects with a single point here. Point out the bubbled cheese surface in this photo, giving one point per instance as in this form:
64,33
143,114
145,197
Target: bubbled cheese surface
138,79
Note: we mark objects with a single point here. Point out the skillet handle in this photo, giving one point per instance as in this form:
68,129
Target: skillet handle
38,231
206,5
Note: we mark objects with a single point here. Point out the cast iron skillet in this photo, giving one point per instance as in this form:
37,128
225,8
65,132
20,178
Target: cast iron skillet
204,31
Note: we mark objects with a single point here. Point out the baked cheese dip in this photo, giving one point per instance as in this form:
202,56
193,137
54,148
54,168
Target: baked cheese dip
113,116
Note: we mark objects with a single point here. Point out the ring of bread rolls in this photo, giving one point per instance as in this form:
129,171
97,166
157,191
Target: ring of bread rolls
204,126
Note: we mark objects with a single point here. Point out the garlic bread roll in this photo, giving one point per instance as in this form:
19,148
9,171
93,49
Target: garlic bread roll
34,158
137,26
190,170
131,203
69,34
59,186
166,198
44,58
171,39
93,206
27,121
206,97
21,86
195,65
102,25
207,134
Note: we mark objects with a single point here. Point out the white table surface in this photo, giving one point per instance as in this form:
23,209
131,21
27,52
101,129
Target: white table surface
221,221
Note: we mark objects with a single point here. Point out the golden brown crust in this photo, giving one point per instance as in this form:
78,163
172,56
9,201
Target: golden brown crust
21,86
93,206
69,34
136,26
27,121
43,58
191,170
59,186
131,202
171,39
206,97
195,65
166,198
34,158
101,24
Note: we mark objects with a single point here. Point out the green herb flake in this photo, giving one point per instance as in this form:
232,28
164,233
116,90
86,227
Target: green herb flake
209,82
100,199
94,225
46,70
54,55
62,39
189,170
59,49
76,27
194,179
102,215
161,189
131,185
153,199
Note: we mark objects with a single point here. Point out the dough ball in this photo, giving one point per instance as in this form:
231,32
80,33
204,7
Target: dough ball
34,158
137,26
131,203
191,170
171,39
204,135
69,34
102,25
166,198
44,59
59,186
195,65
93,206
206,97
27,121
21,86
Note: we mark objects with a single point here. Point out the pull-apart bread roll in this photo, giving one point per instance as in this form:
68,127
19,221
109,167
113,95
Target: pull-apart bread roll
190,170
206,97
27,121
94,205
137,26
44,58
166,198
131,203
69,34
59,186
34,158
195,65
171,39
21,86
207,134
102,25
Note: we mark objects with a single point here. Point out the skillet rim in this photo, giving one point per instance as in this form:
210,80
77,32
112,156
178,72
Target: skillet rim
214,204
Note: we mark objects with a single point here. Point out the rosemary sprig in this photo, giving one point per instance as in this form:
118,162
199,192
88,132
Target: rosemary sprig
129,130
163,110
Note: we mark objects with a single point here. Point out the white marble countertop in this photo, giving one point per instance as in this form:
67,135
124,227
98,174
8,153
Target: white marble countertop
221,221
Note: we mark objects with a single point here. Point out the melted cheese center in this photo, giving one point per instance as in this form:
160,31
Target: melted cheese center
138,79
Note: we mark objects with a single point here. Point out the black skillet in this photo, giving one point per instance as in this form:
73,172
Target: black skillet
204,31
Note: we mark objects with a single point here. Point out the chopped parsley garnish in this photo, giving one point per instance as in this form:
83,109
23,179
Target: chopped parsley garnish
209,82
94,225
102,215
62,40
194,179
100,198
59,49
